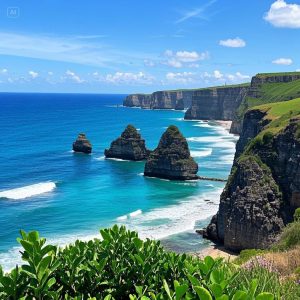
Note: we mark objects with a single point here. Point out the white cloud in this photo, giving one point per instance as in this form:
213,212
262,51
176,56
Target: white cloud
129,78
73,76
180,58
181,78
218,74
283,61
149,63
3,71
282,14
50,73
233,43
33,74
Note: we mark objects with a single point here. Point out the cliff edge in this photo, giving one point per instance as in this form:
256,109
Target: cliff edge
263,189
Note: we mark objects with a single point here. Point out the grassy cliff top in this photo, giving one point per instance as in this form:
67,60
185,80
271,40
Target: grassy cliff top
270,93
263,75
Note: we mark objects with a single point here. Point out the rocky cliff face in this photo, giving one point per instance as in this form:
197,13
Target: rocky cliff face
171,159
218,103
129,146
263,189
82,144
255,91
178,100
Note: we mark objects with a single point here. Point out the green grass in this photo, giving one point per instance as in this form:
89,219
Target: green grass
270,93
262,75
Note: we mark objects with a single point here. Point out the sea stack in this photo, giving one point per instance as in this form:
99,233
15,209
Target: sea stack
171,159
129,146
82,144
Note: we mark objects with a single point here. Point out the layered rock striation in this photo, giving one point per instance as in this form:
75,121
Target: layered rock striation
178,100
263,189
171,159
129,146
219,103
82,144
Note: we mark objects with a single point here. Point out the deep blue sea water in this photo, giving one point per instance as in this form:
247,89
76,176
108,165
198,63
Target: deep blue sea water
65,195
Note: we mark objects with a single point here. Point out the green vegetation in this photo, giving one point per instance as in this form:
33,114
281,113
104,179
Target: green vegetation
263,75
121,266
271,92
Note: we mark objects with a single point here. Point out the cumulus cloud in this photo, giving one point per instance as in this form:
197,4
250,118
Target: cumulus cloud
129,78
33,74
179,59
3,71
233,43
73,76
219,76
283,61
282,14
182,78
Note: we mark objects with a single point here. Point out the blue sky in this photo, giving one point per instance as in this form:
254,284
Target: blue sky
127,46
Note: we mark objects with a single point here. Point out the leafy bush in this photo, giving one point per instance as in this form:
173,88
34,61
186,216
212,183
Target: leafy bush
121,266
245,255
290,237
297,215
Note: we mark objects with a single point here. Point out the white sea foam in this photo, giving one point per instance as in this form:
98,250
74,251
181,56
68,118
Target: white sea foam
122,218
28,191
201,153
162,222
203,125
100,158
135,213
116,159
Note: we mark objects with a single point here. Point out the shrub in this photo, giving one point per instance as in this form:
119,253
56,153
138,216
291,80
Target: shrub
297,215
290,236
121,266
245,255
268,137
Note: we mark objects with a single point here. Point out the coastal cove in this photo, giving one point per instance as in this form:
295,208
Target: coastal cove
68,196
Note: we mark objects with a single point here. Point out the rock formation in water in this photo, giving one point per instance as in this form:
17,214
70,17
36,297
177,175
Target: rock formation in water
178,100
219,103
263,189
82,144
171,159
129,146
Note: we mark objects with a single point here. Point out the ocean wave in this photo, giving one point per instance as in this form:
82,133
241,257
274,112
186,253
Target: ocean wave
28,191
116,159
203,125
100,158
177,218
135,213
201,153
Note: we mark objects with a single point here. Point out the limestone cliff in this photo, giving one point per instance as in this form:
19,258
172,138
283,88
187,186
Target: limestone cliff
219,103
171,159
179,100
263,189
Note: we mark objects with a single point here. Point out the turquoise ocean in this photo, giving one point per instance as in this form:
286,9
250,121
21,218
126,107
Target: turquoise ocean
66,196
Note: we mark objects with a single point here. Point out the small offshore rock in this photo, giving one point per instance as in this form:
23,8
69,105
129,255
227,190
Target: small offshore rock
82,144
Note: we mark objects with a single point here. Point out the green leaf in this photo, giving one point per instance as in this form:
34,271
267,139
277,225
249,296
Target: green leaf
27,246
209,261
105,235
203,293
216,289
167,289
51,282
265,296
180,291
194,281
240,295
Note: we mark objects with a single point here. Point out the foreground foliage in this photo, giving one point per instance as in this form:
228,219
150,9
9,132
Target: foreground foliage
121,266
